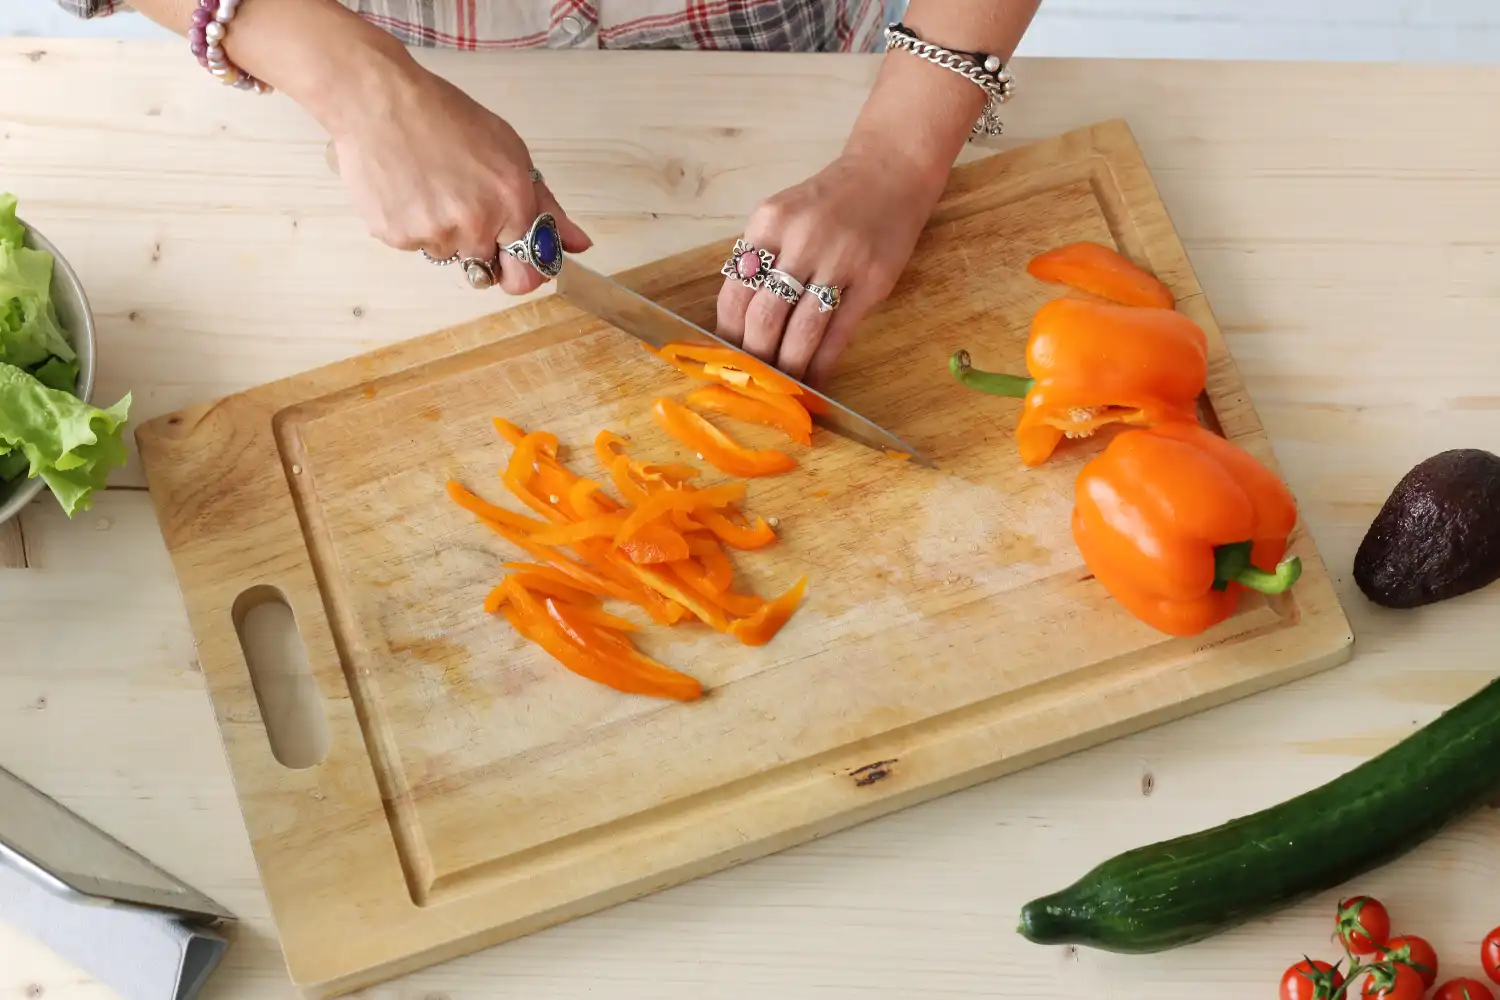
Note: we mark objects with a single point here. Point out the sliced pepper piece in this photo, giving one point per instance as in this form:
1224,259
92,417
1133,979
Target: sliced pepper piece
717,568
645,675
694,575
655,543
549,582
489,512
1175,521
761,627
578,646
750,405
1098,363
723,364
717,448
745,537
658,505
1102,271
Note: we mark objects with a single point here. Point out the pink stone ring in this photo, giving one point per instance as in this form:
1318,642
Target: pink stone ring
748,264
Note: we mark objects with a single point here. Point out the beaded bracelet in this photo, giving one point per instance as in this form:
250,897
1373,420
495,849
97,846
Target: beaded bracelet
210,26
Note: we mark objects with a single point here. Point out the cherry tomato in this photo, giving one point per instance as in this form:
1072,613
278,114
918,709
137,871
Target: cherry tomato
1363,924
1489,954
1310,979
1414,951
1463,989
1402,983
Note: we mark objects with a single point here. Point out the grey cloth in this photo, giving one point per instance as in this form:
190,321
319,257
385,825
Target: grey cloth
142,954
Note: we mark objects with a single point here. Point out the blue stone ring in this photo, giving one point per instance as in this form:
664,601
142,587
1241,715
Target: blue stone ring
541,247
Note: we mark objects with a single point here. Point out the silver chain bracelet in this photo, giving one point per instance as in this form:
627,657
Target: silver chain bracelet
986,72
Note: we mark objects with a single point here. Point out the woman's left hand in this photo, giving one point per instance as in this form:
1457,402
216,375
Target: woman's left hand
853,225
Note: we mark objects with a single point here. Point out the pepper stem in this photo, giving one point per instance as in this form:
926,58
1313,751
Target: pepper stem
1287,573
1232,563
993,383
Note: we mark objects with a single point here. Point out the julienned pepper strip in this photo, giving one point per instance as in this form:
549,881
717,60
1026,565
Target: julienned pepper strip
756,406
1097,363
729,367
717,448
1102,271
1175,521
761,627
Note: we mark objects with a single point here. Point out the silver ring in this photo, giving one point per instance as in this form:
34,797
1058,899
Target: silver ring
828,296
445,261
482,274
749,265
784,286
541,247
536,175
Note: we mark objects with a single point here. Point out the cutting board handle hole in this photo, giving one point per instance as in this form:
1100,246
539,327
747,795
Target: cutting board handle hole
285,688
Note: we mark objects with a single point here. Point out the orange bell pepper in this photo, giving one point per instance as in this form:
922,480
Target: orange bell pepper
1175,521
717,448
1102,271
1098,363
756,406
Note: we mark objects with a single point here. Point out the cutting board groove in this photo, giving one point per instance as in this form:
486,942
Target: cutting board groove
473,791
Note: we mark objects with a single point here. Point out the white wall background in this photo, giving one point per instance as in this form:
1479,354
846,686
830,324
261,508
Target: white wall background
1380,30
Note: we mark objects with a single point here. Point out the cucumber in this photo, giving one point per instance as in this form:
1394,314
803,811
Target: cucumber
1184,890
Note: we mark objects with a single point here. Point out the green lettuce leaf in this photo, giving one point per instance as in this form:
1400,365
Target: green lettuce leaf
29,333
72,445
11,233
58,374
13,464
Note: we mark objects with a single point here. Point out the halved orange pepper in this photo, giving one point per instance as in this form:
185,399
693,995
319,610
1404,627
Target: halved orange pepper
1175,521
1097,363
1102,271
761,627
717,448
753,405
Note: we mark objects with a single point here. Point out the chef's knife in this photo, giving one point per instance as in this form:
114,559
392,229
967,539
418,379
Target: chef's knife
658,326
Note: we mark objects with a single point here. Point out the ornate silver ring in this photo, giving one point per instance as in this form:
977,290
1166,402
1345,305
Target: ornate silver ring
442,262
541,247
749,265
535,174
784,286
828,296
482,274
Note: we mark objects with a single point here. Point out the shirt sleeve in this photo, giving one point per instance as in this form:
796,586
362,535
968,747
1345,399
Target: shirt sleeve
92,8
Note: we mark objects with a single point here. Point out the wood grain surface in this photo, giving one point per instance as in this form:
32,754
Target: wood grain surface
1342,220
460,802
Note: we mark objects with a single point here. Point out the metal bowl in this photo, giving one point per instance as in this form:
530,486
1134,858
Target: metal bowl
77,322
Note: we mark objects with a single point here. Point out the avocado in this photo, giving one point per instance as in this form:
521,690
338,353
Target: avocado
1438,534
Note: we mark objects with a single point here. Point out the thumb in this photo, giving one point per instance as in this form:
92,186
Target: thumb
574,239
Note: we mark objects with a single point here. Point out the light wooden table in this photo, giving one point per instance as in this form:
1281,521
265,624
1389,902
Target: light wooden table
1345,221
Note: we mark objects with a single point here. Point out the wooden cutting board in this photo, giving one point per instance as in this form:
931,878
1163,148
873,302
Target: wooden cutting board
447,786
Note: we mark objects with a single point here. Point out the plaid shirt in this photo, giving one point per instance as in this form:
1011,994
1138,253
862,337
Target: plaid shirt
474,25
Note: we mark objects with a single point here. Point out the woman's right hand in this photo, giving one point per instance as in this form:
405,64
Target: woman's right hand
431,169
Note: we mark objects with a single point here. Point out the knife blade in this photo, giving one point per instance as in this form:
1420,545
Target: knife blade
658,326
